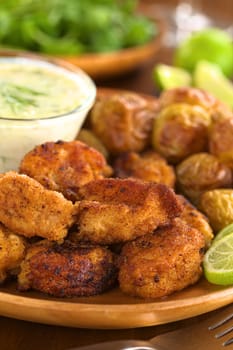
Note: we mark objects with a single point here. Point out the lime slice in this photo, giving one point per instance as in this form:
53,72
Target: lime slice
168,77
224,232
218,261
209,77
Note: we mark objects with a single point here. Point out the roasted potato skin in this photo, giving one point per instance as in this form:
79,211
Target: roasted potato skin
183,121
196,97
123,122
218,207
89,138
68,270
191,96
148,166
202,172
160,263
220,140
180,130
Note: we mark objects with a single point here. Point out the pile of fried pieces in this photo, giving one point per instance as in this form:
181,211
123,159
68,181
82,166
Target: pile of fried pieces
118,206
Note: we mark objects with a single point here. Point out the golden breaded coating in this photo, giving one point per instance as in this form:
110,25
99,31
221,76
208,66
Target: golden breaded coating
123,122
148,166
27,208
64,166
12,251
163,262
193,217
68,270
117,210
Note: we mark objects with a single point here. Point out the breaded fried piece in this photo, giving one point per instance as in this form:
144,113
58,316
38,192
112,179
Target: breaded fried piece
117,210
193,217
27,208
163,262
64,166
148,166
68,270
12,251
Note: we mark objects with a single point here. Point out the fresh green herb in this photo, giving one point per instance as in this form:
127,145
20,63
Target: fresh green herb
73,26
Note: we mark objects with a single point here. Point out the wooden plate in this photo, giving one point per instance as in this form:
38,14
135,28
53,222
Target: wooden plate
116,63
113,310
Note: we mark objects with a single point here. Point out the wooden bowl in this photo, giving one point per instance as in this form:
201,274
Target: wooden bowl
111,64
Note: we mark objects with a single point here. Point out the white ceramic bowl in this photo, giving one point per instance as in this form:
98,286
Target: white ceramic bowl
20,135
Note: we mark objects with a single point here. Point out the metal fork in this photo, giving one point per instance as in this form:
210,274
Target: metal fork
223,332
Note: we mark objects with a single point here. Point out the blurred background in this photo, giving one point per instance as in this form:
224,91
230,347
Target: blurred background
114,40
221,11
184,16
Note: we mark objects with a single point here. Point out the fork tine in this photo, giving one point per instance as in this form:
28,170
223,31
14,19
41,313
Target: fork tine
226,331
228,342
223,332
220,323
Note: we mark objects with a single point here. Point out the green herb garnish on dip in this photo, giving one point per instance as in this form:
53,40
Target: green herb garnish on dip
39,102
30,92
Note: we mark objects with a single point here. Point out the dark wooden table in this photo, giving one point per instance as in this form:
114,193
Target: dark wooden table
22,335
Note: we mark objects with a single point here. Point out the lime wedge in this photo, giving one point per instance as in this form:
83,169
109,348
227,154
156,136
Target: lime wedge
224,232
210,44
218,261
168,77
209,77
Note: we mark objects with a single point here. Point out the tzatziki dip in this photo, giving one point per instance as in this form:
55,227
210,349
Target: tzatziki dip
39,102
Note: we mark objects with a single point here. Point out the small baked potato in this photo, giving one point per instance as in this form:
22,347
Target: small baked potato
218,207
180,130
123,122
188,95
197,97
90,139
220,140
202,172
